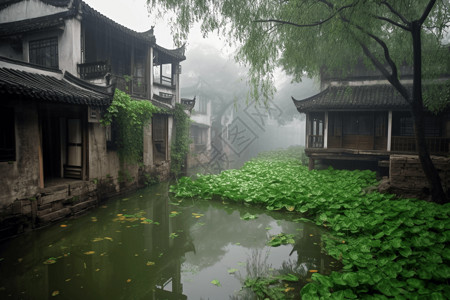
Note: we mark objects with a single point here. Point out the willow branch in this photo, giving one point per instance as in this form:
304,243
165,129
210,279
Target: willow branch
407,28
314,24
399,15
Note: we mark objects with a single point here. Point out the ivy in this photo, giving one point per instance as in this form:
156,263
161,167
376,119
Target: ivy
180,146
129,117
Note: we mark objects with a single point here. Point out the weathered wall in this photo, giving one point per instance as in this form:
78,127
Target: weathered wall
28,9
405,173
16,183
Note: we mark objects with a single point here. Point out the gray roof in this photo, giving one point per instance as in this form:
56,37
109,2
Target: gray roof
367,97
56,88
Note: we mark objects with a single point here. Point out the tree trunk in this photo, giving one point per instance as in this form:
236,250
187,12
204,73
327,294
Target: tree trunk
417,109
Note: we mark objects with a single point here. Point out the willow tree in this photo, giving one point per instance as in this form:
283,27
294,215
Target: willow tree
303,36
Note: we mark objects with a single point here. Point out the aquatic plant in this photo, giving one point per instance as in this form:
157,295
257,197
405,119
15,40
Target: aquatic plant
389,247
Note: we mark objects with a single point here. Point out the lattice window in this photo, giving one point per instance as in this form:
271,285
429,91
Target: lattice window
44,52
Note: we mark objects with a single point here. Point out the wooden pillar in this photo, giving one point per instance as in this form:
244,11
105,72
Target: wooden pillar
311,164
307,130
41,157
389,137
149,73
325,131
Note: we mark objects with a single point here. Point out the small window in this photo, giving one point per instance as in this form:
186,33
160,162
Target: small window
44,52
7,135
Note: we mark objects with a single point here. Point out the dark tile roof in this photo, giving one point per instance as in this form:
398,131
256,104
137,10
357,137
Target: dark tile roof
188,103
56,89
170,54
381,96
33,25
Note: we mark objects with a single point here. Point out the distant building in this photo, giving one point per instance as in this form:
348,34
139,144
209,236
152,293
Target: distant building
59,63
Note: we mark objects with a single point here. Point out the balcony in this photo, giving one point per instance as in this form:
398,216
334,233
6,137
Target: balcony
315,141
436,145
94,70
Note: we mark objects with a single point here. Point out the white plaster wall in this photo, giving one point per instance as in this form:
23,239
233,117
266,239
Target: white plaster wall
7,51
28,9
148,148
69,46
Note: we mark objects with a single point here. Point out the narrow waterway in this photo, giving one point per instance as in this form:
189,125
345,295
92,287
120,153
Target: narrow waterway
150,246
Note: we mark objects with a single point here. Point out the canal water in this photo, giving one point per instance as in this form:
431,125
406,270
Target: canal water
148,245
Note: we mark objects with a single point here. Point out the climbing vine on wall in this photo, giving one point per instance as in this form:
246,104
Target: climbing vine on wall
180,145
129,117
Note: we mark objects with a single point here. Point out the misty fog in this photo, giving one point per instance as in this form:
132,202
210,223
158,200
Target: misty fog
252,126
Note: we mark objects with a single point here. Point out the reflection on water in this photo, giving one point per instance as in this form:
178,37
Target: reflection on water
144,246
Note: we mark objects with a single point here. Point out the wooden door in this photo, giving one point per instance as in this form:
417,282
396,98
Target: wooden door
74,163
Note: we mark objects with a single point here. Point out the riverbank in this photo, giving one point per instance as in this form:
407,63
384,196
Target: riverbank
389,247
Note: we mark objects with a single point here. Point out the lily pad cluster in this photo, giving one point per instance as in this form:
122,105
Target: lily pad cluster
389,247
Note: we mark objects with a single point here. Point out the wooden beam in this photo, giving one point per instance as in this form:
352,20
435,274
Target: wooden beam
389,137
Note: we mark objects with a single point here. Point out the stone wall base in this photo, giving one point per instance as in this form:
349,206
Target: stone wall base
406,174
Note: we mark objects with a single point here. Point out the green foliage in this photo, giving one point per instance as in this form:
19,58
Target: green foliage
281,239
302,36
129,118
180,146
388,247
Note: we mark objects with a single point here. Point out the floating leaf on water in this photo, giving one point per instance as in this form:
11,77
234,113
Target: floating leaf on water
93,219
249,216
232,271
96,270
136,254
128,280
216,282
119,215
311,234
238,244
97,239
84,264
63,225
50,261
150,263
108,238
55,293
125,199
89,252
313,271
68,279
102,254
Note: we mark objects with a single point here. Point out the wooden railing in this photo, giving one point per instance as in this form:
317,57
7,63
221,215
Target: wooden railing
435,145
315,141
94,70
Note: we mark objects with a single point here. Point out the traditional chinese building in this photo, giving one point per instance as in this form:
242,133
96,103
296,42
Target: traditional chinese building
362,118
59,63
